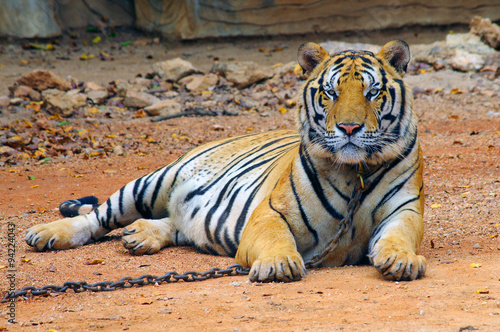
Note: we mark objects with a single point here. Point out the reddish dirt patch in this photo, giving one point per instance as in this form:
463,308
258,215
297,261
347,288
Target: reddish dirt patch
462,179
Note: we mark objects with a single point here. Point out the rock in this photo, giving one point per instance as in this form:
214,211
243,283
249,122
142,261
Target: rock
164,107
51,92
4,101
65,103
285,68
16,101
118,150
477,246
174,69
29,19
42,80
492,60
191,20
139,99
242,73
98,96
487,31
467,42
202,83
26,91
123,86
465,61
91,86
144,82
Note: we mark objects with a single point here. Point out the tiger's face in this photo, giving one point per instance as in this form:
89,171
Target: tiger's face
355,108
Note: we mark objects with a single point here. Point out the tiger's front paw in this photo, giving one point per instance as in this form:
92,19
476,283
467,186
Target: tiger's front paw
145,237
278,268
61,234
399,264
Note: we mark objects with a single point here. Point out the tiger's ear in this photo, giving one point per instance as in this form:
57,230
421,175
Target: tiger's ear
310,55
397,53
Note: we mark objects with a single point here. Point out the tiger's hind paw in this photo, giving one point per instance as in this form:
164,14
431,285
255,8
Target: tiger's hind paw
399,264
146,237
284,268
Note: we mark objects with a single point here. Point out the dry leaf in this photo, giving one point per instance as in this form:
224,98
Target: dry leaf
94,262
25,260
86,57
35,186
434,206
457,91
475,265
283,110
139,114
482,291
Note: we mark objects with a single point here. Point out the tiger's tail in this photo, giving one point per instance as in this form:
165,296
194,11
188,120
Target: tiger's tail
80,206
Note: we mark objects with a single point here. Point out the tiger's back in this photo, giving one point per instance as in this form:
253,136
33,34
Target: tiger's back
213,189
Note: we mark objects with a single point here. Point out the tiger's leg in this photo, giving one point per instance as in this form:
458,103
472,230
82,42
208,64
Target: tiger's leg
394,249
148,236
268,246
137,199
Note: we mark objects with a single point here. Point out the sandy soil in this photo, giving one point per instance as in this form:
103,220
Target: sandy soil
461,144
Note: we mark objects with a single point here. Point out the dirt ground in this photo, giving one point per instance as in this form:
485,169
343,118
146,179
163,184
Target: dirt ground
460,137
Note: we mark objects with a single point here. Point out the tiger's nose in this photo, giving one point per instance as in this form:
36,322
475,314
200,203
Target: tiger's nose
349,128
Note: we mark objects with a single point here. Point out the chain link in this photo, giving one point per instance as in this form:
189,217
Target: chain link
127,282
190,276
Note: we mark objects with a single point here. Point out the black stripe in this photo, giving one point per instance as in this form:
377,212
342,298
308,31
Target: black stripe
312,175
120,201
303,215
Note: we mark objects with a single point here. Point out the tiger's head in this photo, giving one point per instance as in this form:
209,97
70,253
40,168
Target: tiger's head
354,107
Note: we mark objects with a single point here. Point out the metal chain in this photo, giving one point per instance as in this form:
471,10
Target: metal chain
127,282
171,277
346,222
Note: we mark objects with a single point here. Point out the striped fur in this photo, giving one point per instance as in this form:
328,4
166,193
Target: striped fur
273,200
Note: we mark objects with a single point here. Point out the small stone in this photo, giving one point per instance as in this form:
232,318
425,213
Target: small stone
465,61
164,107
236,284
16,101
202,83
242,73
98,96
118,150
4,101
91,86
174,69
165,311
51,92
422,312
42,80
477,246
66,103
26,91
139,99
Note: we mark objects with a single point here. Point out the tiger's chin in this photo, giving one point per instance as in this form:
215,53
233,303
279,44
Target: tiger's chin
350,154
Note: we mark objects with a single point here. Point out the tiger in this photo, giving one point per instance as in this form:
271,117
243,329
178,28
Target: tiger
274,200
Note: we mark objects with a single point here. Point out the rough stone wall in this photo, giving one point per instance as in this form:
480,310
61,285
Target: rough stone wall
48,18
192,19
